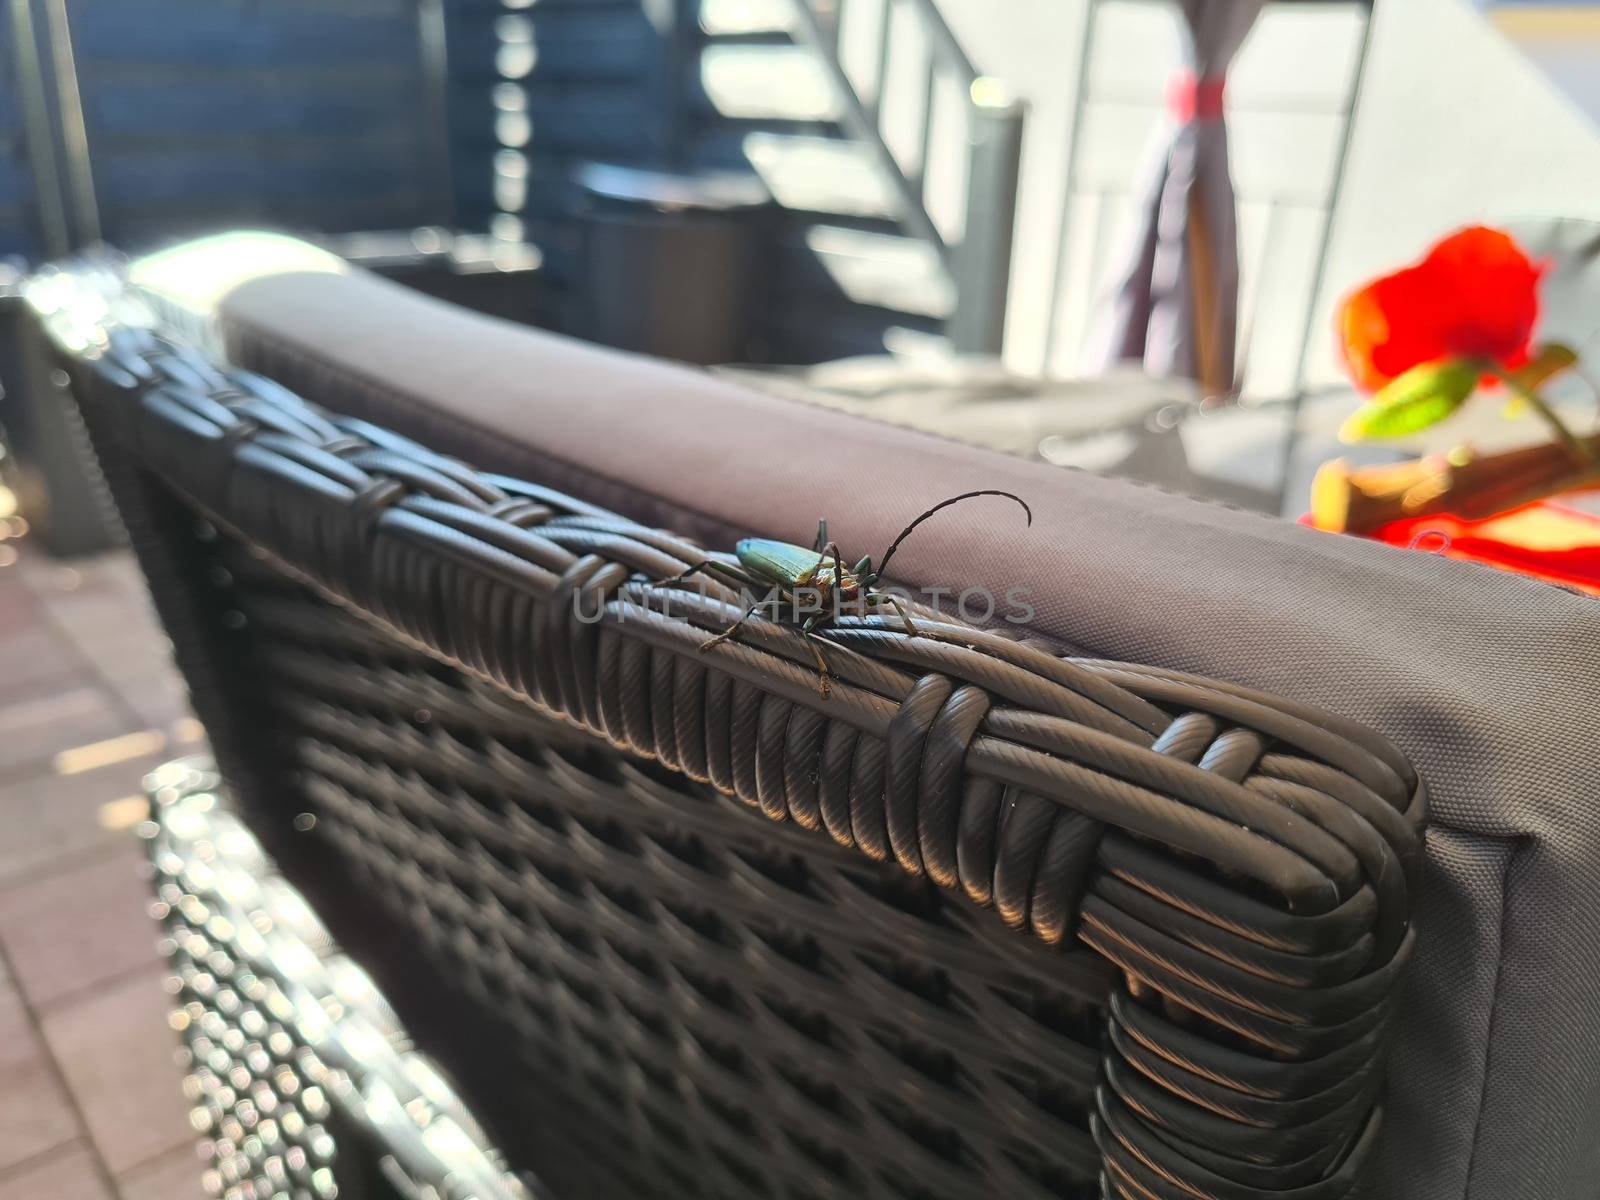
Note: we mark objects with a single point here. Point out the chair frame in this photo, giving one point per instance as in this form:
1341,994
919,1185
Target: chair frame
1242,868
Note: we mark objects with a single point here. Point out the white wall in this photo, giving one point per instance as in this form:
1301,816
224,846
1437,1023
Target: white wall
1455,126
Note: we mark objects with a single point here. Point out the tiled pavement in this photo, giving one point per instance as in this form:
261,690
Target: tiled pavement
90,1100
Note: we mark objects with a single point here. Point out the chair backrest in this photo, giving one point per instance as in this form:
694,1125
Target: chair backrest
700,929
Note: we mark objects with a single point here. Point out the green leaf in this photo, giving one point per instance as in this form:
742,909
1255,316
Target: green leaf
1548,361
1423,396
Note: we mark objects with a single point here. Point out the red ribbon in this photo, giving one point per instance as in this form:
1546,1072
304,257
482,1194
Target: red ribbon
1195,98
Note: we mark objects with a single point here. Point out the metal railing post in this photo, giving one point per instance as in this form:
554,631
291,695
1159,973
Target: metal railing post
74,128
1080,113
433,57
982,262
1319,275
38,134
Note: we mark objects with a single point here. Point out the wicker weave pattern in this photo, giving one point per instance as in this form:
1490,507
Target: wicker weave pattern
300,1078
1249,864
761,1008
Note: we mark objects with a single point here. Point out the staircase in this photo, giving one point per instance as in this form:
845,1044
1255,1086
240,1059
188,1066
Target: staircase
892,161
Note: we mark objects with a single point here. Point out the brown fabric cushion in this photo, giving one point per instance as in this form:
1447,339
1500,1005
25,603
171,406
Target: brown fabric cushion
1486,680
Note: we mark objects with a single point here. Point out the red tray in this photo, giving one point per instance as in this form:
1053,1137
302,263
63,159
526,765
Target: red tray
1549,540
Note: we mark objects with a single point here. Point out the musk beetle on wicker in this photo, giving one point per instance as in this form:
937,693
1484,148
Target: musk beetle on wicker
806,589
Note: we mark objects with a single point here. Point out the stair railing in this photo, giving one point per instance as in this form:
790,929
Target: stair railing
980,262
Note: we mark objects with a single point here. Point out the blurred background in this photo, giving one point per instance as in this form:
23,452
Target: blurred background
939,203
1108,234
143,121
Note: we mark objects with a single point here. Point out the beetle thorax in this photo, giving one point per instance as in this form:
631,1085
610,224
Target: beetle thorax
841,581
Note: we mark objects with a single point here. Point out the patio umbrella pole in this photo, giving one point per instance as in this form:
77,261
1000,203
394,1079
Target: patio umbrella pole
1173,302
1208,319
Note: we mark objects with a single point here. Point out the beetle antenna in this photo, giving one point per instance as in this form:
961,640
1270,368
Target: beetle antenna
895,545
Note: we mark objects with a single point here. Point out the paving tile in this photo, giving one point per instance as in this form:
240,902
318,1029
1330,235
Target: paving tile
50,578
90,596
33,731
38,662
157,695
49,816
127,662
70,930
90,757
121,629
34,1112
118,1056
14,570
144,681
69,1174
174,1176
144,648
87,669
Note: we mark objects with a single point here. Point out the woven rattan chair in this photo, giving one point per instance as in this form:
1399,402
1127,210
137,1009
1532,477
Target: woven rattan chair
992,916
300,1075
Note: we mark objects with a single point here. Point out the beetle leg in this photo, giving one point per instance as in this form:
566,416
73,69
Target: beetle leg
831,550
773,599
838,565
723,573
806,631
822,535
899,606
838,581
688,571
728,633
824,676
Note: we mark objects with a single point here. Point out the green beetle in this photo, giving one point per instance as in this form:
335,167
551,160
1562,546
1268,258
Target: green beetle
814,586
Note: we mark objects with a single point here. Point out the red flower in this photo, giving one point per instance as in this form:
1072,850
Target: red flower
1475,295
